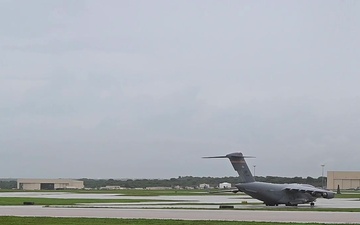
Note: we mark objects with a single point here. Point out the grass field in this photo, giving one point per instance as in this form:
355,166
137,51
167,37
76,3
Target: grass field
348,195
130,192
10,220
60,201
133,192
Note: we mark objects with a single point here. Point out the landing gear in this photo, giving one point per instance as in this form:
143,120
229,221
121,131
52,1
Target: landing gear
312,204
271,204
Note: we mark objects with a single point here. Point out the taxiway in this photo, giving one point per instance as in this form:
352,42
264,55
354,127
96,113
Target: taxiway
184,214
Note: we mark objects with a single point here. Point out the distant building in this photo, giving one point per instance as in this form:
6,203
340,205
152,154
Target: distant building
158,188
224,185
345,180
112,188
49,184
204,186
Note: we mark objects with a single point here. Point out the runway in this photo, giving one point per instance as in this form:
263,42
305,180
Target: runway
185,214
179,201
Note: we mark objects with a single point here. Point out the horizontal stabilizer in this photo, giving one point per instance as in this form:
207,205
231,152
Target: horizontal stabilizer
235,155
215,157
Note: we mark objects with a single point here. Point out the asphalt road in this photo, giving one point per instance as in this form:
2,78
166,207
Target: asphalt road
185,214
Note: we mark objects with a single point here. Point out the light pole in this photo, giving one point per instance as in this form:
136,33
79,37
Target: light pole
322,175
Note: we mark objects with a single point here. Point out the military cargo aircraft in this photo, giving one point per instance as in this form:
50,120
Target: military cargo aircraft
273,194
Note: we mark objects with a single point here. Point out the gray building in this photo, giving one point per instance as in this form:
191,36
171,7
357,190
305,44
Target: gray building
48,184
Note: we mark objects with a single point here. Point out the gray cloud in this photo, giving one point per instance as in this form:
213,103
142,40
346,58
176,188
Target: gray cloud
140,89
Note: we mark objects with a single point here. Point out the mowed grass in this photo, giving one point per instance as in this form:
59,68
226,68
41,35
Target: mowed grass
348,195
130,192
58,201
11,220
144,192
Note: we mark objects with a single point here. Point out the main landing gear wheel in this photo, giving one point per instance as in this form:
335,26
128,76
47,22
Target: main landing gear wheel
271,204
312,204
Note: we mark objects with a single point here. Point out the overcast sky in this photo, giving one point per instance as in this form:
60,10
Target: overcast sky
144,89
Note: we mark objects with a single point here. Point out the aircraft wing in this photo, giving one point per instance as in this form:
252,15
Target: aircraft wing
316,192
224,191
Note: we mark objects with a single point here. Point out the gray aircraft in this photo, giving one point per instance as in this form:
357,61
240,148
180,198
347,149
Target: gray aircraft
273,194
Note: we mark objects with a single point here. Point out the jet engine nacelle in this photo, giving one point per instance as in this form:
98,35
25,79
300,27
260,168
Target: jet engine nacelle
317,194
328,195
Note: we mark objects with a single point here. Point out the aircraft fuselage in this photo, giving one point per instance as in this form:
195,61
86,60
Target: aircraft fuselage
274,194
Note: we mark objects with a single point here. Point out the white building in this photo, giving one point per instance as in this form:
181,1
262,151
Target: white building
204,186
112,188
158,188
224,185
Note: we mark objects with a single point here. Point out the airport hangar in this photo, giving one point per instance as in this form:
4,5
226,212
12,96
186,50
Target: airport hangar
346,180
49,184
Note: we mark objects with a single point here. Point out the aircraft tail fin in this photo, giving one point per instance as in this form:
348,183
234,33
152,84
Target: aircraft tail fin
237,159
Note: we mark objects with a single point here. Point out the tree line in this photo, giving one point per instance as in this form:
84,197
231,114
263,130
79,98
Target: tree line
182,181
190,181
